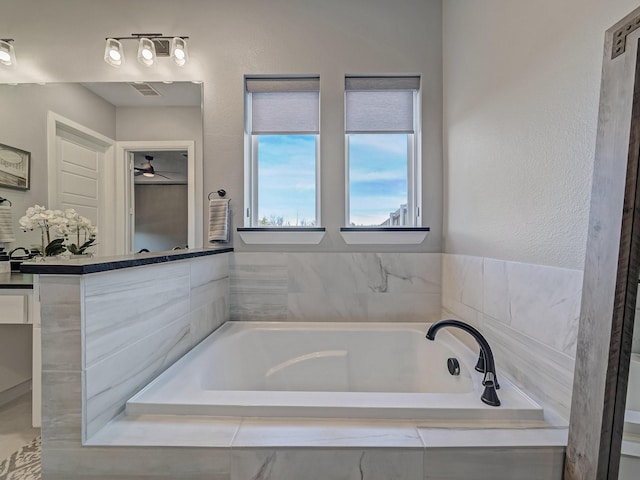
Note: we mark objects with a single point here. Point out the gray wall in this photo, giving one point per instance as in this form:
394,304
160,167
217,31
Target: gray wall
229,39
23,118
521,107
160,217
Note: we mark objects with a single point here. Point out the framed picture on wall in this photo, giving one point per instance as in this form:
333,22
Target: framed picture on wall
15,168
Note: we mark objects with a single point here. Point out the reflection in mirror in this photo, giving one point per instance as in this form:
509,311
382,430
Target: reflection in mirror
160,199
74,134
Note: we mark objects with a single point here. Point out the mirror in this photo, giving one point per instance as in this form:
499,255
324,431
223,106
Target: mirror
83,141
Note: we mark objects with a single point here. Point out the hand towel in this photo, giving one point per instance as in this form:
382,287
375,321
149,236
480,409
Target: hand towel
6,225
218,220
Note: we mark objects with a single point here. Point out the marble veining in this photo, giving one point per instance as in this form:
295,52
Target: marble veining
529,313
327,464
109,383
135,323
335,286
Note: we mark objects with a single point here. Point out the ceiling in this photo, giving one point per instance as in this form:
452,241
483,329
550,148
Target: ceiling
172,164
124,94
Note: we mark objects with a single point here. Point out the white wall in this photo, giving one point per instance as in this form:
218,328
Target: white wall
23,120
230,38
161,217
522,83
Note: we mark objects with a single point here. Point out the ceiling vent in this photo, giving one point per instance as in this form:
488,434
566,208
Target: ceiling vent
145,89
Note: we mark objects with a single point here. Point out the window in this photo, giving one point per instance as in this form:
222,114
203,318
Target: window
383,151
282,142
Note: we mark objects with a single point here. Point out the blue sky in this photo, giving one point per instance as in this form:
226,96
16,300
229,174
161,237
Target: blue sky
377,176
286,177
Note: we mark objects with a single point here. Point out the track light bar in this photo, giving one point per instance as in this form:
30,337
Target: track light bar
7,54
150,46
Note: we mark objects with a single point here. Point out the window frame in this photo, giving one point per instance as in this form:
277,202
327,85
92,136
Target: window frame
252,155
414,162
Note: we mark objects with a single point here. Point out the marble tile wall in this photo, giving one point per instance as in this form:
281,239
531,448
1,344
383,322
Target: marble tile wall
530,315
335,286
133,324
128,340
139,321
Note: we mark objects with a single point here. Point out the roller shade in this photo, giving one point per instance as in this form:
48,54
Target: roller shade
380,104
280,105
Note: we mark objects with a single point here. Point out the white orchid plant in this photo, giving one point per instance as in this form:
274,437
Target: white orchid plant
60,225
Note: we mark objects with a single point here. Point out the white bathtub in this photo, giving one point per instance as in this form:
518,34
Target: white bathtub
632,407
328,370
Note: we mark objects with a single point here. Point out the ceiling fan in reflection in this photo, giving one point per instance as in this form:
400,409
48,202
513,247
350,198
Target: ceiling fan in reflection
147,169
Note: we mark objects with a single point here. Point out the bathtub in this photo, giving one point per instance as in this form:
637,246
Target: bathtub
632,407
328,370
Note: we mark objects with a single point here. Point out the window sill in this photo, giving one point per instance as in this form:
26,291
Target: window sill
384,235
281,235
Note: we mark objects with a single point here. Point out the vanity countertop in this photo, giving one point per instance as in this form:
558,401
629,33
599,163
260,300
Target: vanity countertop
16,281
82,266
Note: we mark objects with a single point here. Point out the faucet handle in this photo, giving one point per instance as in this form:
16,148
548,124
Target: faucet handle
489,396
480,367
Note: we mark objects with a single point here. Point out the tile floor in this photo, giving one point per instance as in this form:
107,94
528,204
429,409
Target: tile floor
15,425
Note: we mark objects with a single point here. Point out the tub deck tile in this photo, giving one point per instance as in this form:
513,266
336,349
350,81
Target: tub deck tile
167,431
493,437
325,433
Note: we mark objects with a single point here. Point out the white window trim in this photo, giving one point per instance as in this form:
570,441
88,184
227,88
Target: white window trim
414,174
250,214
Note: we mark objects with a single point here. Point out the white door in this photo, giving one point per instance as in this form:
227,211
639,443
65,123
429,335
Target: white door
83,163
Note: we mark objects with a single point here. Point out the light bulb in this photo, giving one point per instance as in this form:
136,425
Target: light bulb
7,55
113,52
146,52
179,52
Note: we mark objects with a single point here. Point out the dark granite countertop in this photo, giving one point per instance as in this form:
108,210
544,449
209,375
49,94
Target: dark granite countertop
16,281
82,266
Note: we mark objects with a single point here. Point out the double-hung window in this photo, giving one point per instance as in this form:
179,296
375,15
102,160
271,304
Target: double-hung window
282,130
382,126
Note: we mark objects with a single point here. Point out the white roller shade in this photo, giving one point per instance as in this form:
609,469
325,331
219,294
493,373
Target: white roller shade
380,104
284,105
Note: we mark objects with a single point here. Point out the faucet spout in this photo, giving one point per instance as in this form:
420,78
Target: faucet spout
485,362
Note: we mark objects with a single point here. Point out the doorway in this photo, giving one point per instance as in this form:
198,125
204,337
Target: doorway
160,200
156,206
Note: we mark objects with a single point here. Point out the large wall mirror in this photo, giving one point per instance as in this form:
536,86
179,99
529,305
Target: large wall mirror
126,155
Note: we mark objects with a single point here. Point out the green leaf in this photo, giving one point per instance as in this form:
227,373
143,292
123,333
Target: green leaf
55,247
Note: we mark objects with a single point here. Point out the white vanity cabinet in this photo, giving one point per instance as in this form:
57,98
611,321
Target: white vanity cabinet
19,305
14,308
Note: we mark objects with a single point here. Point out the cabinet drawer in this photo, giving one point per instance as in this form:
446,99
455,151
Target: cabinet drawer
13,309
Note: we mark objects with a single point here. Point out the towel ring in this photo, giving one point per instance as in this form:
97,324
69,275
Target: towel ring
10,204
221,193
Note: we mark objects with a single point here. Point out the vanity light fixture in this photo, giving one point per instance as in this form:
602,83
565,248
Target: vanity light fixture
7,54
150,47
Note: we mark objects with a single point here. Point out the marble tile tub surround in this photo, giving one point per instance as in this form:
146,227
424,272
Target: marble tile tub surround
335,286
291,449
529,314
133,324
